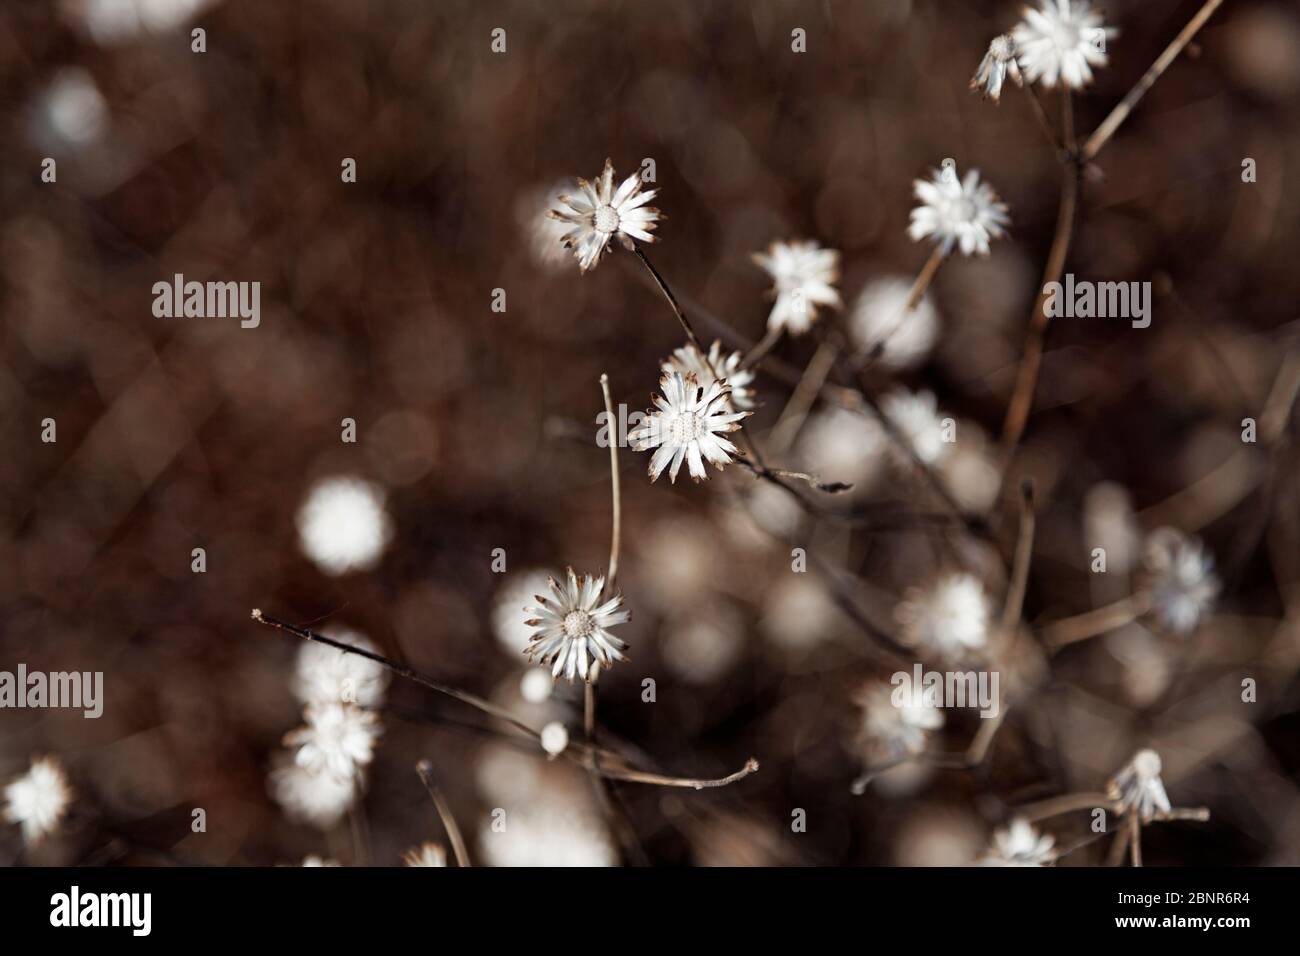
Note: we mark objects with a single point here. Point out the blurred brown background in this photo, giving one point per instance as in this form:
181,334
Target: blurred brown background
183,433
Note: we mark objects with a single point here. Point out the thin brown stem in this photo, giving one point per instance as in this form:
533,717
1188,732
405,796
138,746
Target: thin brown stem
1101,136
676,306
616,533
1040,114
765,345
1067,803
1015,600
641,776
425,769
1099,621
924,278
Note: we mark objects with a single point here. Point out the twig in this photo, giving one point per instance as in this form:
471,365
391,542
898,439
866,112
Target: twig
1102,134
765,345
1015,599
1102,620
641,776
924,278
1067,803
425,769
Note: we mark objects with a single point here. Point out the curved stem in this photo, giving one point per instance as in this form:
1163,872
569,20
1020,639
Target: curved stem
616,533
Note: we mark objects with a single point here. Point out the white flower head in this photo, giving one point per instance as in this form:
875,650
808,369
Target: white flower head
343,526
555,738
961,212
38,799
320,799
572,628
1019,844
890,732
1180,578
880,321
327,675
688,360
536,684
950,618
688,425
312,861
550,830
805,275
602,213
427,854
338,739
1061,41
516,591
998,63
916,416
1138,787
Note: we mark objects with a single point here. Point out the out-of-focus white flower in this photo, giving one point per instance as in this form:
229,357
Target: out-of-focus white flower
517,590
890,732
548,831
950,618
342,526
881,320
970,470
839,445
687,360
115,21
320,799
507,775
536,684
1180,579
326,675
701,648
572,629
1020,844
965,212
798,614
555,738
805,275
38,799
1061,41
427,854
687,424
1138,787
73,109
917,417
1109,523
602,213
319,861
337,739
998,63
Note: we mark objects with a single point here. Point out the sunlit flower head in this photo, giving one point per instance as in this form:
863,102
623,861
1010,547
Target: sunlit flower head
881,324
950,617
687,360
601,213
1061,41
918,421
320,799
804,275
1180,578
1019,844
572,627
427,854
998,63
326,674
314,861
1138,787
890,732
688,424
38,799
343,526
957,212
555,738
338,739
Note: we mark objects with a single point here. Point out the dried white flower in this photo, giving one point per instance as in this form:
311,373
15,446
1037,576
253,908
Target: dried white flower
890,732
551,830
326,675
1138,787
1062,40
342,526
320,799
917,417
950,618
572,631
805,275
965,212
881,320
427,854
1180,579
554,738
998,63
688,425
319,861
1020,845
688,361
602,213
38,799
338,739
